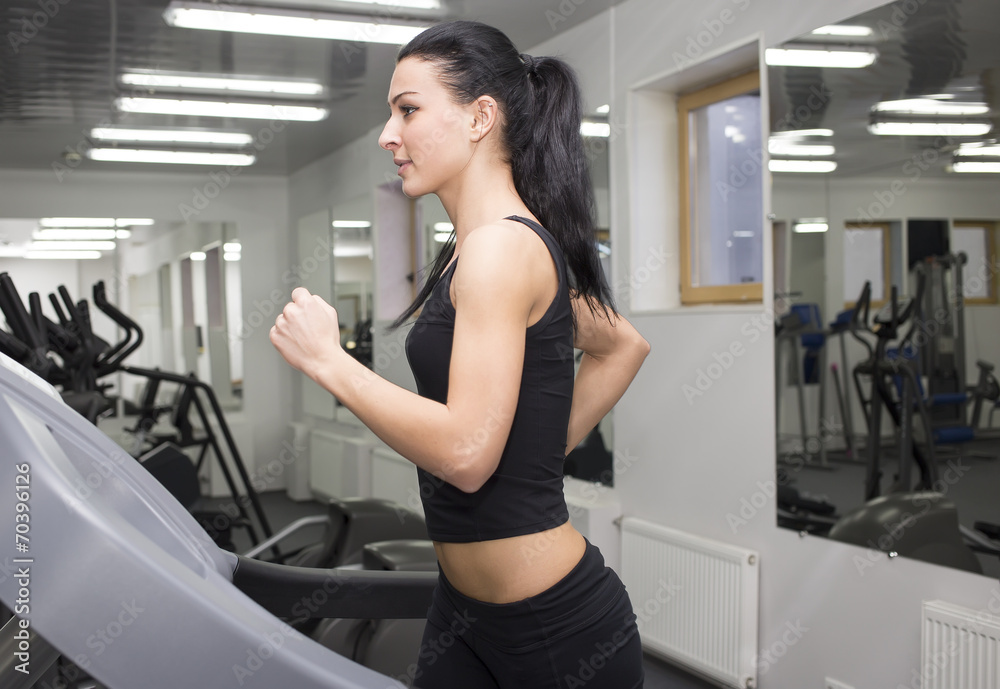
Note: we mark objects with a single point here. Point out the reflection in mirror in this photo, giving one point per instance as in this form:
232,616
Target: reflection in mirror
353,275
883,411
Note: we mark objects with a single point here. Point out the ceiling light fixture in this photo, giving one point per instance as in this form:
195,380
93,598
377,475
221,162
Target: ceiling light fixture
781,147
843,30
77,222
801,133
806,225
343,224
801,165
206,108
979,149
597,129
931,106
888,128
976,166
820,57
270,21
68,255
132,155
201,82
80,233
171,136
45,245
198,256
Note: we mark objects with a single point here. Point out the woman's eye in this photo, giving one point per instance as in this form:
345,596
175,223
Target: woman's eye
407,110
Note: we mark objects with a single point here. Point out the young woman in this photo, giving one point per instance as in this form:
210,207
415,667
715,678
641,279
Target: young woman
523,599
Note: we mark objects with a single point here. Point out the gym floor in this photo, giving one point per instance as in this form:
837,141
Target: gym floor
282,511
970,476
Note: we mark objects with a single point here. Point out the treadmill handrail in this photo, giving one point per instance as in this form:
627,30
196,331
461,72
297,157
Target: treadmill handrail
294,592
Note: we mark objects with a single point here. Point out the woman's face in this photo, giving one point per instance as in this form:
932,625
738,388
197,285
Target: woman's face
428,134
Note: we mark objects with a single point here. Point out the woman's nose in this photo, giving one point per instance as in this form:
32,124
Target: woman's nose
388,138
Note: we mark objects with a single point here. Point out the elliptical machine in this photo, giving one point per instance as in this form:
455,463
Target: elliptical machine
915,521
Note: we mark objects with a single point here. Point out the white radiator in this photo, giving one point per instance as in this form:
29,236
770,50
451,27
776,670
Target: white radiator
696,600
395,478
960,648
339,465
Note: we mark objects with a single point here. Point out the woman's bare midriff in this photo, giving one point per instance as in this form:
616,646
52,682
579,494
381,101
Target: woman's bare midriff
511,569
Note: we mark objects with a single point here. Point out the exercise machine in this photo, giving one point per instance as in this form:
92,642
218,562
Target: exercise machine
127,561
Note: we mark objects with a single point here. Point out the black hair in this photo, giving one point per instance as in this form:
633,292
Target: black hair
539,101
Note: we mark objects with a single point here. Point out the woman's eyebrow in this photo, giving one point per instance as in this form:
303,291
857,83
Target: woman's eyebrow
400,95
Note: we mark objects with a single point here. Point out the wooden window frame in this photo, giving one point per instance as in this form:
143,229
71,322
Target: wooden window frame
884,228
991,256
690,294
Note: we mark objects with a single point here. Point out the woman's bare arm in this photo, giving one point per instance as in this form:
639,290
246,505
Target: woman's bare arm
613,351
461,441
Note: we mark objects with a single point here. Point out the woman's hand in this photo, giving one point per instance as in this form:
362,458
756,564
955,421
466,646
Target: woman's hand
307,333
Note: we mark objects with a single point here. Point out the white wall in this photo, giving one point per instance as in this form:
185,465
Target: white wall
697,462
258,206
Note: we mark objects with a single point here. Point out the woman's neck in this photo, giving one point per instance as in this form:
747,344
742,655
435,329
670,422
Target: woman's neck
482,195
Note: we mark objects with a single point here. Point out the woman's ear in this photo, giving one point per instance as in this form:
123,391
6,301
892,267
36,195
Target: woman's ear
486,114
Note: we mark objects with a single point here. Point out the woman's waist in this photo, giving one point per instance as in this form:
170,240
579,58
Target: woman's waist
511,569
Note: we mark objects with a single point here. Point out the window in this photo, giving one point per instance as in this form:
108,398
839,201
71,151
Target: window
721,192
866,258
978,241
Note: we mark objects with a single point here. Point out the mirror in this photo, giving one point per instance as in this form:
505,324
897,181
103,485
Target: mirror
884,203
353,275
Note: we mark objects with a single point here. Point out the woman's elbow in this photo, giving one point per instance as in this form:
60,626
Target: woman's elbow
469,473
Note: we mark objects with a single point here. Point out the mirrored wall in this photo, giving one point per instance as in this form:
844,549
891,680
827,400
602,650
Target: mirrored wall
880,155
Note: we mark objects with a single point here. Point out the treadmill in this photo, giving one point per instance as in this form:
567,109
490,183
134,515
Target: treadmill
110,571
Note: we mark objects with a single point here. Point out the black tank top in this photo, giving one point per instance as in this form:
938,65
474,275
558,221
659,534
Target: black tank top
525,493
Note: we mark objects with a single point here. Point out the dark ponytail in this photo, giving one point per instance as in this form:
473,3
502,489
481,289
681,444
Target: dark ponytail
539,99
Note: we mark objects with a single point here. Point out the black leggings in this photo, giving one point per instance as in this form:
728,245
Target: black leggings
581,632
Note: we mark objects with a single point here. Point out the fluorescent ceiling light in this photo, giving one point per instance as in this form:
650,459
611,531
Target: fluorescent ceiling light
122,234
77,222
810,225
929,128
80,233
206,108
200,82
63,254
352,223
603,109
260,20
976,166
444,227
806,57
198,256
929,106
129,222
131,155
801,165
409,4
185,136
442,237
72,246
843,30
601,129
232,247
801,133
352,249
12,252
231,256
790,148
978,150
